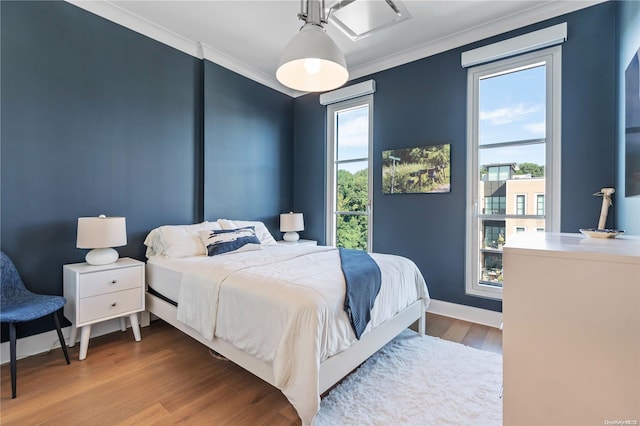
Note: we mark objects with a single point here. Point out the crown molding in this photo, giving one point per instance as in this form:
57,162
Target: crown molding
231,63
120,16
505,24
117,15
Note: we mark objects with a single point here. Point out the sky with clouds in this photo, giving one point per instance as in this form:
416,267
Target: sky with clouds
512,108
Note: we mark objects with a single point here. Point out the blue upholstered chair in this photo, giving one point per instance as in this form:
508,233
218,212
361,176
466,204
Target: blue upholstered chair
20,305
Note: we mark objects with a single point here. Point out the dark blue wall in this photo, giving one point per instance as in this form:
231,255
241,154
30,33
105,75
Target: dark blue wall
309,154
424,103
248,149
97,119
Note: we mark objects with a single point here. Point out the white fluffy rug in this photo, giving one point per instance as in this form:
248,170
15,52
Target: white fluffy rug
421,381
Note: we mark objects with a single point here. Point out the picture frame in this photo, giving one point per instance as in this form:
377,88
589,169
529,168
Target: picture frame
417,170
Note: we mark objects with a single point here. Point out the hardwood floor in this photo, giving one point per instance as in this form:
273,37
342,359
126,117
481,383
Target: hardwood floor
167,378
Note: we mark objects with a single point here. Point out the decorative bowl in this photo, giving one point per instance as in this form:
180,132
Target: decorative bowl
601,233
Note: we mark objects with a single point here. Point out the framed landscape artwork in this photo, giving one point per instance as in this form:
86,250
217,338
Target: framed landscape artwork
423,169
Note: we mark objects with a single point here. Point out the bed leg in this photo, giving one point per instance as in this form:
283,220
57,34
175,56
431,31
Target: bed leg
422,323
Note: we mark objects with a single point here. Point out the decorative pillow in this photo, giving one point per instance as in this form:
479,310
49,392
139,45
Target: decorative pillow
230,240
263,234
178,240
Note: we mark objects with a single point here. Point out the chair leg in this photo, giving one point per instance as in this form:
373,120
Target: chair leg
61,337
12,349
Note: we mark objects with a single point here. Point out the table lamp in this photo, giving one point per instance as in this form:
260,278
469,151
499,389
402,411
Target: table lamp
290,224
101,234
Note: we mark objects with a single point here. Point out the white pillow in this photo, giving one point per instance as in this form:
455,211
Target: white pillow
263,234
153,243
178,240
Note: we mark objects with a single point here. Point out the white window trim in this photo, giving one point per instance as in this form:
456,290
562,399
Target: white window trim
330,214
553,57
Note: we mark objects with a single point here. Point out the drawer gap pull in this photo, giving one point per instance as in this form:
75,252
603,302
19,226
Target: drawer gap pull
113,305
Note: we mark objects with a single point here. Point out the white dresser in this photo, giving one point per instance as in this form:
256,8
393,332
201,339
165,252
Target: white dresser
571,337
99,293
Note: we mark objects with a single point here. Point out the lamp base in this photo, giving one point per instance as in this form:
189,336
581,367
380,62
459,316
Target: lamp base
291,236
101,256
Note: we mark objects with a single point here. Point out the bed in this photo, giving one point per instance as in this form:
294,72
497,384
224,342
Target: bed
276,310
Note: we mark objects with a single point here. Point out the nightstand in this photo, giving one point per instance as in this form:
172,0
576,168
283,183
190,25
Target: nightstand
293,243
97,293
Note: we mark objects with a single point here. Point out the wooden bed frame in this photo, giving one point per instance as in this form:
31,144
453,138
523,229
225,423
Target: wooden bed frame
332,370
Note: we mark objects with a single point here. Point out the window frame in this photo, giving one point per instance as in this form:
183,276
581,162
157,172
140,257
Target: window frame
332,164
552,57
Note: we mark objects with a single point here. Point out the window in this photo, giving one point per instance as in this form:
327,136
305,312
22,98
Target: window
495,205
499,173
349,173
520,204
513,141
540,204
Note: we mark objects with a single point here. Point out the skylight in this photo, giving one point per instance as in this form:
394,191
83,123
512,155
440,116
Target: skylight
361,18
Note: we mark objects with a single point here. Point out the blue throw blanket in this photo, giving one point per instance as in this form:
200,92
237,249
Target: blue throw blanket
363,278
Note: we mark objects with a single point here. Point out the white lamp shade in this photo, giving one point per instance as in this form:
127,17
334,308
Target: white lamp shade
291,222
101,232
312,62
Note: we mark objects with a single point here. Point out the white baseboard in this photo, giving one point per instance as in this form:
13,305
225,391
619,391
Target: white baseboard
44,342
466,313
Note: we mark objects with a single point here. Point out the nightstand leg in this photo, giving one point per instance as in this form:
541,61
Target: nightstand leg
84,341
123,326
72,336
135,326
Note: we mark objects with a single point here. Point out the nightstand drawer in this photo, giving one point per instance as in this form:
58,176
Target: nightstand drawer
109,305
103,282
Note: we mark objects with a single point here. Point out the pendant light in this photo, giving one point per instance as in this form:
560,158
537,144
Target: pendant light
312,62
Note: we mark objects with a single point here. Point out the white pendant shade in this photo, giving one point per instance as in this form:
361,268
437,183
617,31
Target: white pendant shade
312,62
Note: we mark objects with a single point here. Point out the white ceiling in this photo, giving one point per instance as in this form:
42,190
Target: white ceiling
247,36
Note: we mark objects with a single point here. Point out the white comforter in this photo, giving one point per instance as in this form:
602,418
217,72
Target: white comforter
284,306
